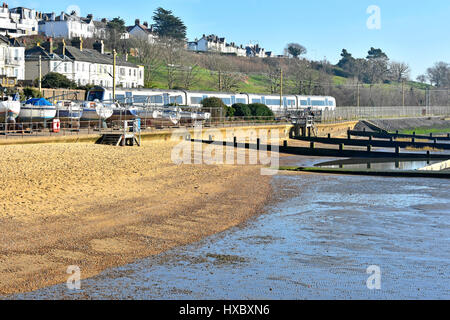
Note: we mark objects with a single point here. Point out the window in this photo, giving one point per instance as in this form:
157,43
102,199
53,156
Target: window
273,102
196,100
177,100
303,102
241,100
256,100
227,101
156,99
331,103
120,98
317,103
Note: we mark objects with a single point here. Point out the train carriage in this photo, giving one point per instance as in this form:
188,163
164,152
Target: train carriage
193,99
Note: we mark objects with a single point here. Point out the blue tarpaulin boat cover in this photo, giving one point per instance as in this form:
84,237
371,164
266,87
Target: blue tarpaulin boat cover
38,102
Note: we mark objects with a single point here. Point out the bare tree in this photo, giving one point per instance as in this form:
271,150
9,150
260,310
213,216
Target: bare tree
301,76
225,75
149,55
399,71
439,74
171,53
189,74
422,78
273,73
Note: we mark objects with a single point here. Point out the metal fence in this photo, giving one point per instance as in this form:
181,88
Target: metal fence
359,113
73,127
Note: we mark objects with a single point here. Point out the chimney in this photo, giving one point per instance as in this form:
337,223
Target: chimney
78,43
90,16
146,24
137,22
99,46
48,46
62,16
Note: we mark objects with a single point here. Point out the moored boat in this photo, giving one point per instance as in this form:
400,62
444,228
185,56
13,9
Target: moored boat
121,113
67,110
37,110
94,111
9,109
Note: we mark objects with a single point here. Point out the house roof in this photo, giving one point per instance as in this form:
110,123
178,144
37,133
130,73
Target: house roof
75,54
142,27
12,42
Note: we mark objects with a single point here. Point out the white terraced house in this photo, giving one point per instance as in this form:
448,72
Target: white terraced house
18,22
83,66
67,26
141,31
12,59
213,43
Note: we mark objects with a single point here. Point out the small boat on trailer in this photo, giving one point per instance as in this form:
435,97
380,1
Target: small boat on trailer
37,110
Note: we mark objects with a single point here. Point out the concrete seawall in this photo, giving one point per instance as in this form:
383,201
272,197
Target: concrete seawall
336,129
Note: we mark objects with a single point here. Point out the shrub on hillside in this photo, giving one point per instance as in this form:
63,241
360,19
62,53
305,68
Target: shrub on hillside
241,110
217,107
261,110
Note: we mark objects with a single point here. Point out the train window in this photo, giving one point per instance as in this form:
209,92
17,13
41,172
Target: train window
156,99
331,103
227,101
241,100
256,100
303,102
177,100
317,103
120,98
95,95
196,100
291,102
140,99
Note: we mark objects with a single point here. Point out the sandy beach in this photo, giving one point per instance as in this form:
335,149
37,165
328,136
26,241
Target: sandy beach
98,207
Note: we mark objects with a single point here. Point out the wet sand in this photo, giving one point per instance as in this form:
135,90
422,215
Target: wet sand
317,239
99,207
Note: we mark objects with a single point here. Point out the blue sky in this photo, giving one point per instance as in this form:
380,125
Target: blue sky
413,31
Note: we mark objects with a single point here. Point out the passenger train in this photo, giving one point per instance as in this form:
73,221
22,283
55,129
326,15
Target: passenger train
161,98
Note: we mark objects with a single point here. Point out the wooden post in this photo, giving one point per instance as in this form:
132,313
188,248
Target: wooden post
312,145
341,147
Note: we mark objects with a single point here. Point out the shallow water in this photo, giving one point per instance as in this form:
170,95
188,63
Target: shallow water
316,241
375,164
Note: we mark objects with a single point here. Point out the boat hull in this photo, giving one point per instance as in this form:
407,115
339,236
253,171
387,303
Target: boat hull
36,113
67,115
9,110
124,114
96,114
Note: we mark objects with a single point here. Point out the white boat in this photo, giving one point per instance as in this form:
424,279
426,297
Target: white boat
94,111
9,109
68,110
37,110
